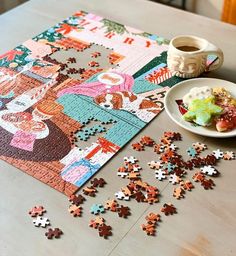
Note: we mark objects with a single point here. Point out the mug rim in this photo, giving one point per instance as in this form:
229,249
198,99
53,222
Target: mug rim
204,41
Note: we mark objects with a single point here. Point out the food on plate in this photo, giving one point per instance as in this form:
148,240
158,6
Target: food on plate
197,93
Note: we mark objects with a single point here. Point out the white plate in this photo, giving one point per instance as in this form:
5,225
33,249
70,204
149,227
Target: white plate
179,90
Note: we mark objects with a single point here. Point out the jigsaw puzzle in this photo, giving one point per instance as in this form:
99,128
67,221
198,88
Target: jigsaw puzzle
74,95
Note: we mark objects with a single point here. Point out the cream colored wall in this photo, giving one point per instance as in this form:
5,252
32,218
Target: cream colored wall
209,8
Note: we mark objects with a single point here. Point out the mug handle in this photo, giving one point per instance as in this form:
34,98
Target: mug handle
211,49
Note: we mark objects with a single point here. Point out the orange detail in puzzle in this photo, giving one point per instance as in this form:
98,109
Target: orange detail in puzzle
73,43
110,35
128,40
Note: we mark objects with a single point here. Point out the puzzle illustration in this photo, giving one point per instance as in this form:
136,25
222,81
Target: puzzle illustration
73,96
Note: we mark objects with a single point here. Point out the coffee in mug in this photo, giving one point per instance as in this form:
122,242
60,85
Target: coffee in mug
187,56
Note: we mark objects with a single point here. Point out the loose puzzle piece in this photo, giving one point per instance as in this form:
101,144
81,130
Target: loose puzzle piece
147,141
90,191
207,184
155,165
37,211
192,151
187,185
41,222
149,228
198,177
178,193
51,233
229,155
111,205
218,154
168,209
199,146
174,179
159,148
160,175
121,196
138,146
97,208
98,182
75,210
77,200
123,211
139,197
153,218
105,230
131,159
95,223
209,170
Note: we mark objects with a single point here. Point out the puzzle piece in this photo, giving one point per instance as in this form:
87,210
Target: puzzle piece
229,155
75,210
98,182
149,228
207,184
151,199
147,141
121,196
97,208
95,223
218,154
198,177
170,167
41,222
209,170
122,174
153,218
178,192
174,179
90,191
210,160
159,148
51,233
139,197
123,211
160,175
172,147
155,165
77,200
168,209
187,185
133,175
105,230
111,205
138,146
199,147
192,151
131,159
37,211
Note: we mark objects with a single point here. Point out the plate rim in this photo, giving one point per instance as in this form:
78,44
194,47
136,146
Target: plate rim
221,135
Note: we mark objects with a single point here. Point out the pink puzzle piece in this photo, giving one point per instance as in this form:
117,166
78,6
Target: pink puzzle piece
23,140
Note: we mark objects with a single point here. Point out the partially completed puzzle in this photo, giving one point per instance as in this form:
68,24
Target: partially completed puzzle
74,95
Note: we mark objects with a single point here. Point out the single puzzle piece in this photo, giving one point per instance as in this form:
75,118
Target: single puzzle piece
139,197
122,174
178,193
98,182
192,151
229,155
172,147
37,211
179,172
97,208
160,175
218,154
95,223
166,140
111,205
75,210
207,184
151,199
104,230
168,209
136,168
209,170
153,218
121,196
149,228
131,159
123,211
187,185
77,200
174,179
127,191
147,141
159,148
51,233
138,146
209,160
90,191
133,175
198,177
170,167
155,165
199,147
41,222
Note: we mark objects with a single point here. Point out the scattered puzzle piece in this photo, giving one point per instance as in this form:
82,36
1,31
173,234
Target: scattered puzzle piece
155,165
229,155
51,233
139,197
192,151
218,154
149,228
131,159
178,193
123,211
77,200
98,182
111,205
138,146
209,170
95,223
153,218
147,141
199,146
198,177
207,184
90,191
37,211
75,210
97,208
187,185
105,230
168,209
41,222
159,148
160,175
174,179
121,196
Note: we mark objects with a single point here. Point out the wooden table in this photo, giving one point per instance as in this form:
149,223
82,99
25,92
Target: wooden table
205,223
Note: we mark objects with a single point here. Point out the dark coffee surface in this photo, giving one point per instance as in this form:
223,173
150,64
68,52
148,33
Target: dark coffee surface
186,48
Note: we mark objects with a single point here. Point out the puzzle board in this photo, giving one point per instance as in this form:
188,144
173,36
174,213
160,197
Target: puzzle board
74,95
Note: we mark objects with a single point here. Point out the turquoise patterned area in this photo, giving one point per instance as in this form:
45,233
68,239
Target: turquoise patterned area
81,108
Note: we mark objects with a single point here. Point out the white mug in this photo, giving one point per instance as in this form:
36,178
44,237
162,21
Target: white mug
187,56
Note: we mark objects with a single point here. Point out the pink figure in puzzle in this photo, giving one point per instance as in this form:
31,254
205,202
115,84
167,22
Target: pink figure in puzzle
23,140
